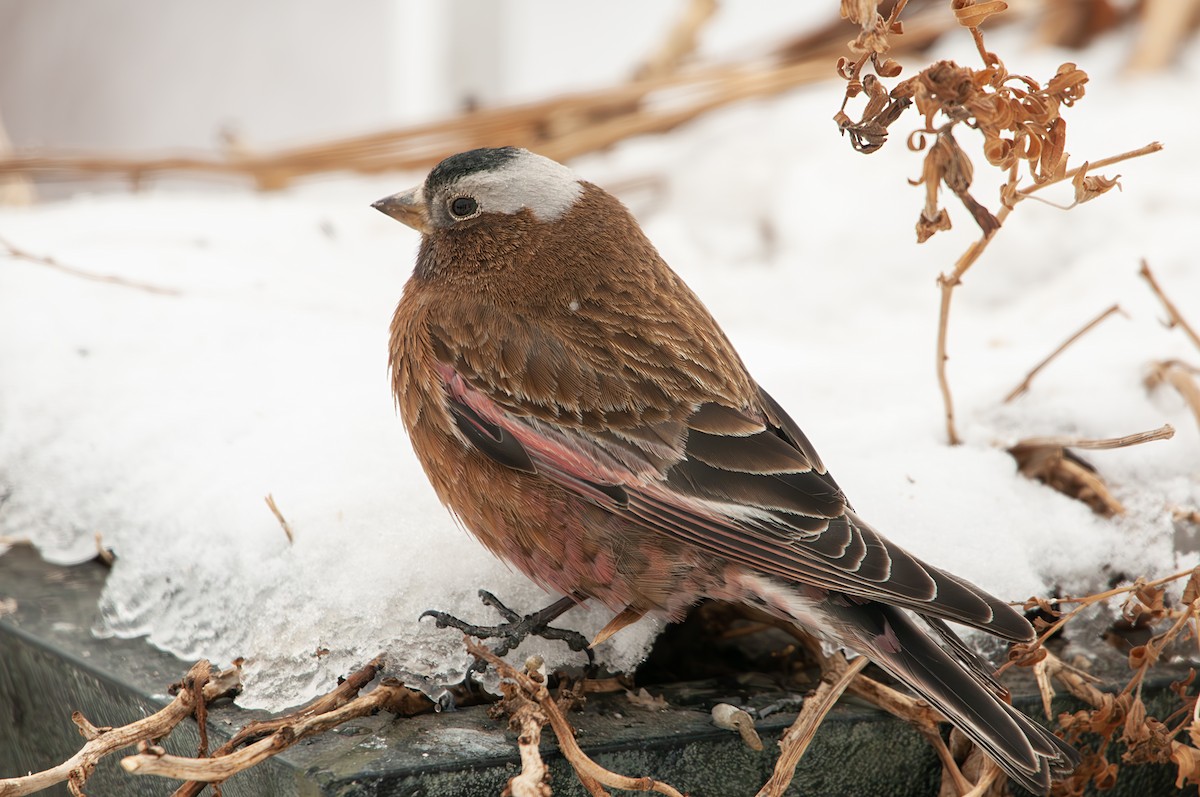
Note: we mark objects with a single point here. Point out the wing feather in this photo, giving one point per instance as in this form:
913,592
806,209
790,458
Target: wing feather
740,482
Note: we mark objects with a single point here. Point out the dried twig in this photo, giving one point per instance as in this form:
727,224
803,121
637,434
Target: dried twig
1164,432
797,738
528,718
681,40
1185,378
389,695
287,529
103,553
1048,460
1033,652
591,774
104,741
20,254
948,282
260,740
1024,386
1176,318
1166,25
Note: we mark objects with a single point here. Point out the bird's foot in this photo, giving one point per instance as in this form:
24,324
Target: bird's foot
516,628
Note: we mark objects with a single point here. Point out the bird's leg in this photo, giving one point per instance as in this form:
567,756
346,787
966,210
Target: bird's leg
516,628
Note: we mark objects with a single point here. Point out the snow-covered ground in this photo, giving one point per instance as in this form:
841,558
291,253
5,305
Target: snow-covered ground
161,421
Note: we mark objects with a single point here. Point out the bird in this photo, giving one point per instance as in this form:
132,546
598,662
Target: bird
579,410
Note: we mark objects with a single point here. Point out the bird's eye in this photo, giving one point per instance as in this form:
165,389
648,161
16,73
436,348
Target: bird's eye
463,206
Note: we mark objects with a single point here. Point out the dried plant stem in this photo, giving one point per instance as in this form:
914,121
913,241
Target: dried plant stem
1172,310
1047,460
1165,27
1036,647
532,780
797,738
222,767
1164,432
1155,646
991,771
590,773
21,254
1180,376
1089,326
287,529
268,737
948,282
681,40
105,741
903,706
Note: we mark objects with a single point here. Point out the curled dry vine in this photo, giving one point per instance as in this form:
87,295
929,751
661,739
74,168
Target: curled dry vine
1121,716
1019,118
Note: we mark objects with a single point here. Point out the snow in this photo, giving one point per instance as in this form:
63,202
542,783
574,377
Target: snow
160,422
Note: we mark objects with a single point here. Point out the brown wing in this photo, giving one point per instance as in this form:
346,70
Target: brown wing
741,482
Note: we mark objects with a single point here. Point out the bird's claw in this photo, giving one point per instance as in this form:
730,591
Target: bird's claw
516,627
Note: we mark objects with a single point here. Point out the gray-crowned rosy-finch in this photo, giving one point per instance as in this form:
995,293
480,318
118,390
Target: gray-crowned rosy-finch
577,407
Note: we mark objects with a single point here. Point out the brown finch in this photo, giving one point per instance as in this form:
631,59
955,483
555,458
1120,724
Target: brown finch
577,407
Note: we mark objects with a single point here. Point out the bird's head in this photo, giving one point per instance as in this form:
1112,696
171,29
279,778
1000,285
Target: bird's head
484,186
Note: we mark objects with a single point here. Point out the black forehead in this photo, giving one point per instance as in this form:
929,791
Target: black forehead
464,163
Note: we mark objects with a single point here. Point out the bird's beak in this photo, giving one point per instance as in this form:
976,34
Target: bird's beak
407,207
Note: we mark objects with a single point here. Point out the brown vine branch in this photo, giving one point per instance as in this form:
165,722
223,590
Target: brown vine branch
1048,460
287,528
681,40
20,254
1028,654
390,695
796,739
1164,432
1088,327
103,741
1176,318
1181,376
591,774
948,282
258,741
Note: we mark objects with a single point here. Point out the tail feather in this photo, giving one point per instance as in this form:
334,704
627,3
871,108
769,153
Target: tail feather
1029,753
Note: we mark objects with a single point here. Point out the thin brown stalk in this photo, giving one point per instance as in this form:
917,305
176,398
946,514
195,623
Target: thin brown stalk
402,701
1176,318
1182,377
1053,665
221,767
103,741
21,254
1089,326
1164,432
948,282
681,40
584,766
287,528
797,738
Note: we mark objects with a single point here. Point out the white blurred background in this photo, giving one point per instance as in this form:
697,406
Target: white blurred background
127,75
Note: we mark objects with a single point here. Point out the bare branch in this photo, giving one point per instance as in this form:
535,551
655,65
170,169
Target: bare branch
1164,432
105,741
1176,318
287,529
948,282
1184,378
584,766
1089,326
797,738
21,254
